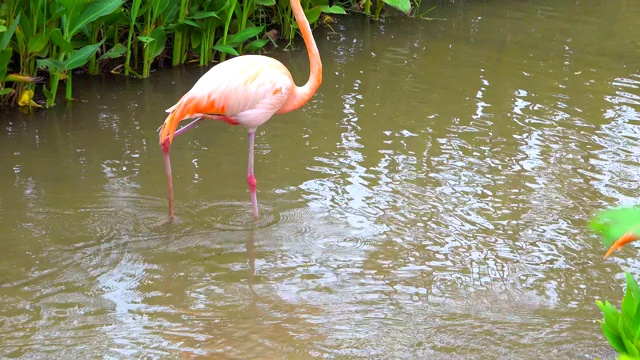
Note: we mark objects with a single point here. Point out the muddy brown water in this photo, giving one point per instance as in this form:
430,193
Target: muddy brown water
431,201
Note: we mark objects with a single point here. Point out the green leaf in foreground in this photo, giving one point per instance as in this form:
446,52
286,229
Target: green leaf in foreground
622,329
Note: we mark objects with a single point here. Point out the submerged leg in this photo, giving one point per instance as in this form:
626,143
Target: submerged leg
251,180
167,169
167,161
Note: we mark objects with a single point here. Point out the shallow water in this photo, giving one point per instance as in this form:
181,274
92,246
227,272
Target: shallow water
430,201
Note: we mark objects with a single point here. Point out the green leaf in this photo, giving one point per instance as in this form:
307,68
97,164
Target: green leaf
6,36
92,12
402,5
256,44
3,28
48,94
145,39
631,349
59,11
613,223
196,39
244,34
51,64
624,328
169,14
226,49
160,38
600,305
636,323
133,12
116,51
633,285
26,26
611,317
6,91
5,57
205,14
335,9
37,43
266,2
614,339
624,357
71,3
81,56
158,7
629,304
190,23
313,14
58,40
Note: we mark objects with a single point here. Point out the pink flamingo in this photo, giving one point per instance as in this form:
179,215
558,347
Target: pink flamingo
247,91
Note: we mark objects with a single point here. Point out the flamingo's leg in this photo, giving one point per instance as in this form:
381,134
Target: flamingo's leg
167,169
251,179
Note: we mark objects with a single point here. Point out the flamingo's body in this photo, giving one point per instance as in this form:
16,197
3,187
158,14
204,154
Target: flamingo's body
247,91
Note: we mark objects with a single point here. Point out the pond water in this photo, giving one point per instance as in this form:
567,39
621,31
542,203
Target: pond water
431,201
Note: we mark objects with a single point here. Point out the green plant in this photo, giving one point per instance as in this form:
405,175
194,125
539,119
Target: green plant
312,10
54,38
74,16
181,35
402,5
208,20
153,36
622,328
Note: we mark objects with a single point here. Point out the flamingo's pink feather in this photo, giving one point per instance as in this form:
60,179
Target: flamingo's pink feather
247,91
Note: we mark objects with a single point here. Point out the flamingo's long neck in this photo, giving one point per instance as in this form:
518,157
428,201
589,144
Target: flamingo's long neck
302,94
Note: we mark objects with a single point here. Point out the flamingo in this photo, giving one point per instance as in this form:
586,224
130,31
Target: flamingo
246,91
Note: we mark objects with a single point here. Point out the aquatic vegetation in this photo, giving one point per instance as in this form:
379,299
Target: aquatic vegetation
52,39
622,328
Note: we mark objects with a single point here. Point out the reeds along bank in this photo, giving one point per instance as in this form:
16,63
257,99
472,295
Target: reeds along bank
44,42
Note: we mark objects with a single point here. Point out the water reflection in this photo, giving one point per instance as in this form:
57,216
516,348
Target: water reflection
431,201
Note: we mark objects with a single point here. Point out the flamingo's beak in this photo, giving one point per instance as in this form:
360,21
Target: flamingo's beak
623,240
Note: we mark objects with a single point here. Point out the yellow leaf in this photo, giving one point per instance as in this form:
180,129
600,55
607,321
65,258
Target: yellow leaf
21,78
26,99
